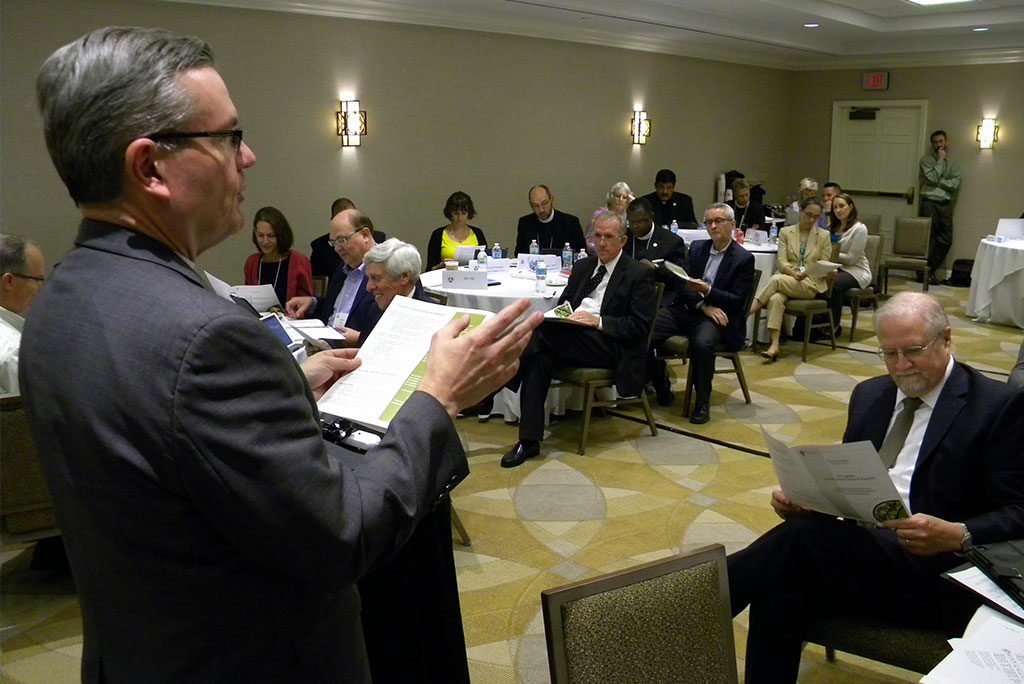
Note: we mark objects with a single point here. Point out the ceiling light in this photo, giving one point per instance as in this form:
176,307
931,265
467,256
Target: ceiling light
811,25
937,2
980,28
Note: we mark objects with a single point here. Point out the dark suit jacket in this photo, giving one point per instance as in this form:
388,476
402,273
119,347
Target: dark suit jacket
969,468
749,217
361,305
679,207
733,281
665,245
626,314
213,534
562,228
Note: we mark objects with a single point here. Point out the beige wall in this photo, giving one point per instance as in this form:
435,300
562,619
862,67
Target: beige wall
486,113
958,97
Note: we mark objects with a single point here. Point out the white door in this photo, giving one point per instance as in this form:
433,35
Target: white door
875,154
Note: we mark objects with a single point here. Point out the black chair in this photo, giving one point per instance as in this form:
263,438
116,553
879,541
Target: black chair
912,648
910,242
664,621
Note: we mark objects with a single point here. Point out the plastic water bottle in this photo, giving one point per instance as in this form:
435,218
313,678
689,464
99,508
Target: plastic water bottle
534,247
773,235
582,254
566,258
542,276
481,259
675,226
496,251
739,235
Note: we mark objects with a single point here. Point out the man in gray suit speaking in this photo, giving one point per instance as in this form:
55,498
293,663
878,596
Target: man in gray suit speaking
213,534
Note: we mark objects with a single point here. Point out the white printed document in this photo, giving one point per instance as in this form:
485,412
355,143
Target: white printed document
262,297
845,480
676,270
991,651
820,269
394,358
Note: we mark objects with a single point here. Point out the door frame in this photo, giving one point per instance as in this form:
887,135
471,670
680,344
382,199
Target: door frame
839,105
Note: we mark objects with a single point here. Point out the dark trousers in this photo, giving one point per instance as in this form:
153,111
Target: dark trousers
704,335
843,282
813,566
554,345
941,214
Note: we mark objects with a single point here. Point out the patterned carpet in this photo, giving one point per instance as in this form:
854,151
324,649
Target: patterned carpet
631,498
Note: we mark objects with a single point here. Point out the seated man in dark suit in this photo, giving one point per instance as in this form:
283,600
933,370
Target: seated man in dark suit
322,256
653,245
347,304
951,438
710,310
749,214
670,205
548,226
612,298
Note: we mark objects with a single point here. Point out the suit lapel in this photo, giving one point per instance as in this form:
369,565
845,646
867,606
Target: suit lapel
951,400
879,413
613,283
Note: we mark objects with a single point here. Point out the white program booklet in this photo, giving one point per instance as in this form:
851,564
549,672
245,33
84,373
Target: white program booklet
820,269
846,480
262,297
394,358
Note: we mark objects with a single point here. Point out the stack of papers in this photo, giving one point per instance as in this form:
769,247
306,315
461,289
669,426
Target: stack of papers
991,651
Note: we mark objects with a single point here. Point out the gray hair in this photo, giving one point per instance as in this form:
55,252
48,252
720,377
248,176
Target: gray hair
808,184
618,188
12,253
99,93
399,258
729,213
613,215
809,201
919,304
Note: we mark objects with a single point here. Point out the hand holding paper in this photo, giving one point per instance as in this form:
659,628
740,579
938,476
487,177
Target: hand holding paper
463,369
323,370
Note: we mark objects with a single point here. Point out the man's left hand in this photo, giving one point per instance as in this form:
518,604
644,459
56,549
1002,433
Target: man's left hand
585,318
323,370
925,535
715,314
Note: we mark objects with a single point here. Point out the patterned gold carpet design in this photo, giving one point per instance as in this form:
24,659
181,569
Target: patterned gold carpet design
562,517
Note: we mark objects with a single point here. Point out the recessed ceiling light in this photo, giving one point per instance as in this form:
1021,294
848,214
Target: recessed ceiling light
811,25
937,2
980,28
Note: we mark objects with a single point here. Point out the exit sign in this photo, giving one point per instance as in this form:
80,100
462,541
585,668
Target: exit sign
875,80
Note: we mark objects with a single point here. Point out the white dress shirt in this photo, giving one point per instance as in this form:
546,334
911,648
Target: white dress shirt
903,470
592,302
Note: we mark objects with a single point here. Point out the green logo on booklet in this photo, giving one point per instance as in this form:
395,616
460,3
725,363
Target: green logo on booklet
889,510
563,310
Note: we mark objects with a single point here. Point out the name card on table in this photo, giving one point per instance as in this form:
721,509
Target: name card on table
528,262
498,265
464,280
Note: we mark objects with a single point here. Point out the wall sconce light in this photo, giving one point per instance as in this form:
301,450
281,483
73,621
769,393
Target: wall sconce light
640,127
351,123
988,134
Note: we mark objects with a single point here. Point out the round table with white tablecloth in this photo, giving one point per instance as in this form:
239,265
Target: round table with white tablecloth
997,283
509,289
766,260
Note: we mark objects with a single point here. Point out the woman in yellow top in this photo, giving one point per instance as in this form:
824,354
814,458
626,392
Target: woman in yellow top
458,210
799,246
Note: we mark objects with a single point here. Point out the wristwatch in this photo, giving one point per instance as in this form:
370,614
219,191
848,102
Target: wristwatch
966,543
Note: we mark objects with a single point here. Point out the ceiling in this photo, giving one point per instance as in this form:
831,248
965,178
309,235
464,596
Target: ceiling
771,33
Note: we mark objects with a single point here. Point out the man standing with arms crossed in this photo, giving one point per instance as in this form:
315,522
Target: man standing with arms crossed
213,534
940,181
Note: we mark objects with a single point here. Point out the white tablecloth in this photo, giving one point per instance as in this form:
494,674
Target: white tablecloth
997,283
496,297
766,260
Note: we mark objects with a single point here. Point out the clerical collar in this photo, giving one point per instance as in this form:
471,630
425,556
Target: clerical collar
549,219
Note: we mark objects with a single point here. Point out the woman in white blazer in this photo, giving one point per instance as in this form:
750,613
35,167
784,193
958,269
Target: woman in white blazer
855,270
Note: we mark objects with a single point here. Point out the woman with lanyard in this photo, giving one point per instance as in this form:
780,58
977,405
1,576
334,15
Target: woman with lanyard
799,246
276,264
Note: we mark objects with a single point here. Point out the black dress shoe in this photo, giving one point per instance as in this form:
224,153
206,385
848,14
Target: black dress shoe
524,449
663,388
700,415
